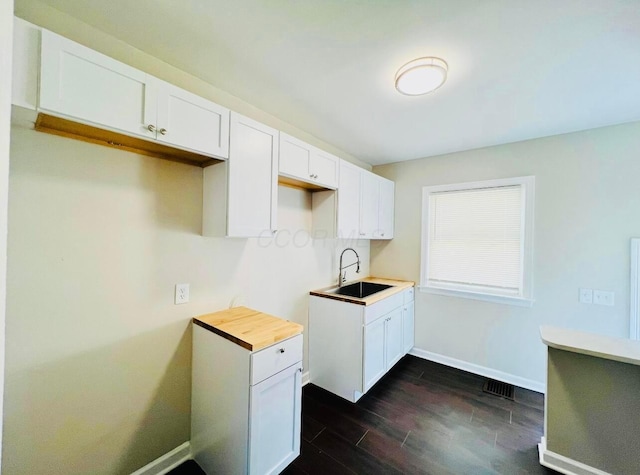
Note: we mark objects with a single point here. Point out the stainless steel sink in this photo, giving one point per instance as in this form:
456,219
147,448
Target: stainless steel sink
361,289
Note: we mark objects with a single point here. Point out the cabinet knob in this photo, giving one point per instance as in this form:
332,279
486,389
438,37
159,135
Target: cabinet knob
381,234
361,234
163,131
151,128
281,350
315,176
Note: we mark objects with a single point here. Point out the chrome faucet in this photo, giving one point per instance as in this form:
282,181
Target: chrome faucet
342,278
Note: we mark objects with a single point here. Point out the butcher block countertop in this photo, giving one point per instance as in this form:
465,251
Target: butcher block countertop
398,286
248,328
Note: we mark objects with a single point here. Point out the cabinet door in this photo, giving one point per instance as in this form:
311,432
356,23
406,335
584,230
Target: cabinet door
191,122
368,205
252,192
408,327
324,168
295,157
374,358
349,201
86,86
393,338
274,422
386,190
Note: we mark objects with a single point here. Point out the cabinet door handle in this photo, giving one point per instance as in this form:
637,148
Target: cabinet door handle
151,128
281,350
163,131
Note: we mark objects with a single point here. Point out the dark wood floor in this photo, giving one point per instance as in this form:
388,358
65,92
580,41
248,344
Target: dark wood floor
421,418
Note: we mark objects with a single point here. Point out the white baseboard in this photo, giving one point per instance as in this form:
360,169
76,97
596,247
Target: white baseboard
481,370
563,464
305,378
167,462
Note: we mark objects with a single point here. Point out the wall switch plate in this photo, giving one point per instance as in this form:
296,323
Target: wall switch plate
603,297
586,295
182,294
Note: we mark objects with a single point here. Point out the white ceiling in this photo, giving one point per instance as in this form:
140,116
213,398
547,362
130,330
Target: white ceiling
518,69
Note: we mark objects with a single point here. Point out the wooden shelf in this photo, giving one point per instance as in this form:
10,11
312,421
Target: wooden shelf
87,133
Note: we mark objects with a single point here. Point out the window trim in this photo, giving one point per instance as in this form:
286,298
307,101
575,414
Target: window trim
525,298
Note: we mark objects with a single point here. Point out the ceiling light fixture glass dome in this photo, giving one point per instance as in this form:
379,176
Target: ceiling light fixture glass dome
421,76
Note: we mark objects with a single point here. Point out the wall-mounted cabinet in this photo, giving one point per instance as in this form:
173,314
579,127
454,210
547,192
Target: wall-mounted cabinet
83,94
365,204
306,164
83,85
240,196
376,207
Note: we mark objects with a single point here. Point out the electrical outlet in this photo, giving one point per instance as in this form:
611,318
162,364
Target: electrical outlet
182,294
586,296
603,297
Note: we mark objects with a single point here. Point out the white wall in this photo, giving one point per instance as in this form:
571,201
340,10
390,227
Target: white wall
6,40
587,209
98,356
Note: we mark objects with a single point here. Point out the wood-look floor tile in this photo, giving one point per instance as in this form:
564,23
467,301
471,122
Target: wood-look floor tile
353,457
313,461
310,427
348,429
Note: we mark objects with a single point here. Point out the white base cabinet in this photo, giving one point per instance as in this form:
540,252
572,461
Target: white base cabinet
352,346
245,406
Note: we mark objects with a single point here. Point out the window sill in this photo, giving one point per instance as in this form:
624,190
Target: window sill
501,299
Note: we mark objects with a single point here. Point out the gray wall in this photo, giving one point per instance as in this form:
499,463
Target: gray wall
587,207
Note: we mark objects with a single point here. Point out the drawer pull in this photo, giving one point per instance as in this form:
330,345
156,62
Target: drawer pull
281,350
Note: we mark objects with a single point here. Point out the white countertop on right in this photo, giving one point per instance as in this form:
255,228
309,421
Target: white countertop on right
592,344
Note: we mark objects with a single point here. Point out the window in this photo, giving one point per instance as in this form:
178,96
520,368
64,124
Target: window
477,240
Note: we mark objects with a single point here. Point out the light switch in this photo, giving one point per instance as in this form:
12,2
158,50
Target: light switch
586,295
603,297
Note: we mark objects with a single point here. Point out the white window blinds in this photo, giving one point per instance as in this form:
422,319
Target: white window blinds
476,239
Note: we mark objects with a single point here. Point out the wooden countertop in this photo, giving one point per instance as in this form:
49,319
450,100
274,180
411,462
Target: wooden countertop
398,286
592,344
248,328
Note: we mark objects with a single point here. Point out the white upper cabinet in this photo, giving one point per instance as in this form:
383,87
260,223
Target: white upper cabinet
252,192
386,201
365,208
189,121
348,212
376,207
369,194
304,162
83,85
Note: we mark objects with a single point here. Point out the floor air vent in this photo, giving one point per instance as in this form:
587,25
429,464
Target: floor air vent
498,388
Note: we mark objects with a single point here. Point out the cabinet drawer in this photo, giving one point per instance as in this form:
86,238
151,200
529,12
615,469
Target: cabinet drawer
408,295
378,309
275,358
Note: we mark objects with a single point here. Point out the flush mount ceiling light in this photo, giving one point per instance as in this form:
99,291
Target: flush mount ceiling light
421,76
